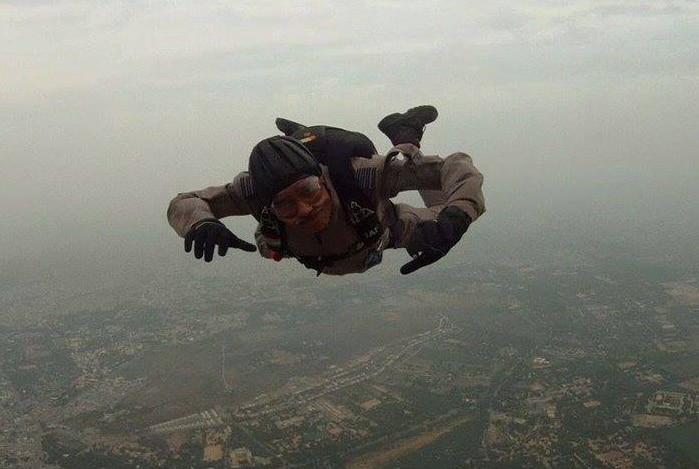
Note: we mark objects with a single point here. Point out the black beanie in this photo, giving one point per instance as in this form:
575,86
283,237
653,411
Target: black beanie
276,163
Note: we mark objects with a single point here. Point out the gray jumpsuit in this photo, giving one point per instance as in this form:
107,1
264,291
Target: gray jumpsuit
450,181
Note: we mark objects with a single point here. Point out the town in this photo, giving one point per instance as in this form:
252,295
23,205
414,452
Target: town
527,366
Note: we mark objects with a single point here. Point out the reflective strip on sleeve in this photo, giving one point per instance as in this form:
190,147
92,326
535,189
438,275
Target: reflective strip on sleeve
366,178
246,187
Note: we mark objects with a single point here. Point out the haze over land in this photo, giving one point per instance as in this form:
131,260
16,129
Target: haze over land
574,113
583,271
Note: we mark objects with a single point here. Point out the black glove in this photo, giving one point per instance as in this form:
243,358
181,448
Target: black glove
433,239
210,233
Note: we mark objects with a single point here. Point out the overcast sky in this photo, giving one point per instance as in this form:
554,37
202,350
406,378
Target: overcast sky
108,109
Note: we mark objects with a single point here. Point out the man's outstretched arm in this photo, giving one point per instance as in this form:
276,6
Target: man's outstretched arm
189,208
194,216
438,229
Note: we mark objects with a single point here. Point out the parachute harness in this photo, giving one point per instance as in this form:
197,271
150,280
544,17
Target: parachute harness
335,148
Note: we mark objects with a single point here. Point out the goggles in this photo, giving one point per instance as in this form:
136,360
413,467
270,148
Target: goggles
308,191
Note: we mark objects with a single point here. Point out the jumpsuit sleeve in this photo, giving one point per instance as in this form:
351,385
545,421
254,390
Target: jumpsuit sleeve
455,176
189,208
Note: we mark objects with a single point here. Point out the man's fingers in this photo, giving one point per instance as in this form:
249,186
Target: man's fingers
212,238
244,245
209,251
419,262
223,246
188,241
198,249
199,244
413,265
206,237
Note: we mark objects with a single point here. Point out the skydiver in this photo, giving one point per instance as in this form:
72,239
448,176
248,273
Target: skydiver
331,209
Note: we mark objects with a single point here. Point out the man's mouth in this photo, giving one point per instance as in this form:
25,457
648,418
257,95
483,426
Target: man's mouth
311,217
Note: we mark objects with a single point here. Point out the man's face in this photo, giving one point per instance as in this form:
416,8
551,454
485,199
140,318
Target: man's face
305,205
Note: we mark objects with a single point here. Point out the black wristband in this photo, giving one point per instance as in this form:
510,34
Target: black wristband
459,219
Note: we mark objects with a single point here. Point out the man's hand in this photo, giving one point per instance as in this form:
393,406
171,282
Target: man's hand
211,233
433,239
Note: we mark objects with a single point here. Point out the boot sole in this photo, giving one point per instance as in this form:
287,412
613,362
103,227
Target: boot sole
425,114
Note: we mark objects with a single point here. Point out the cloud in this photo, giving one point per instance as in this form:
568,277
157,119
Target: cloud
147,98
55,46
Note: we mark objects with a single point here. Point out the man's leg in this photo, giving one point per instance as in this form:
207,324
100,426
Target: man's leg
435,200
409,126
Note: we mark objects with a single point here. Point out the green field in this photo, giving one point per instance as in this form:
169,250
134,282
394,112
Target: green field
685,438
450,450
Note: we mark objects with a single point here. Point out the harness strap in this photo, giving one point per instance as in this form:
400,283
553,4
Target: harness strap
318,263
334,148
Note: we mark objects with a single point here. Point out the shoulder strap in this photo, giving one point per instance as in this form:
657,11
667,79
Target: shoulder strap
273,231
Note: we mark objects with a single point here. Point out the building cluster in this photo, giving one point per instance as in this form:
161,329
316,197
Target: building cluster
593,376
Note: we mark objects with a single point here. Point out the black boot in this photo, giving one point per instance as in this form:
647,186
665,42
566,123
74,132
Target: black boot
409,126
288,127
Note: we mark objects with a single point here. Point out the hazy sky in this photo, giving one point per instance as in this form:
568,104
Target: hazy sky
108,109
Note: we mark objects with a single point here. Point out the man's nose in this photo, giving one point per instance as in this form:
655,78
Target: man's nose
303,209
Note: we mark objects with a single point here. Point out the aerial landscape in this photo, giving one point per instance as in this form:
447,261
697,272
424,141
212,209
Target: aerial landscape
588,358
540,308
